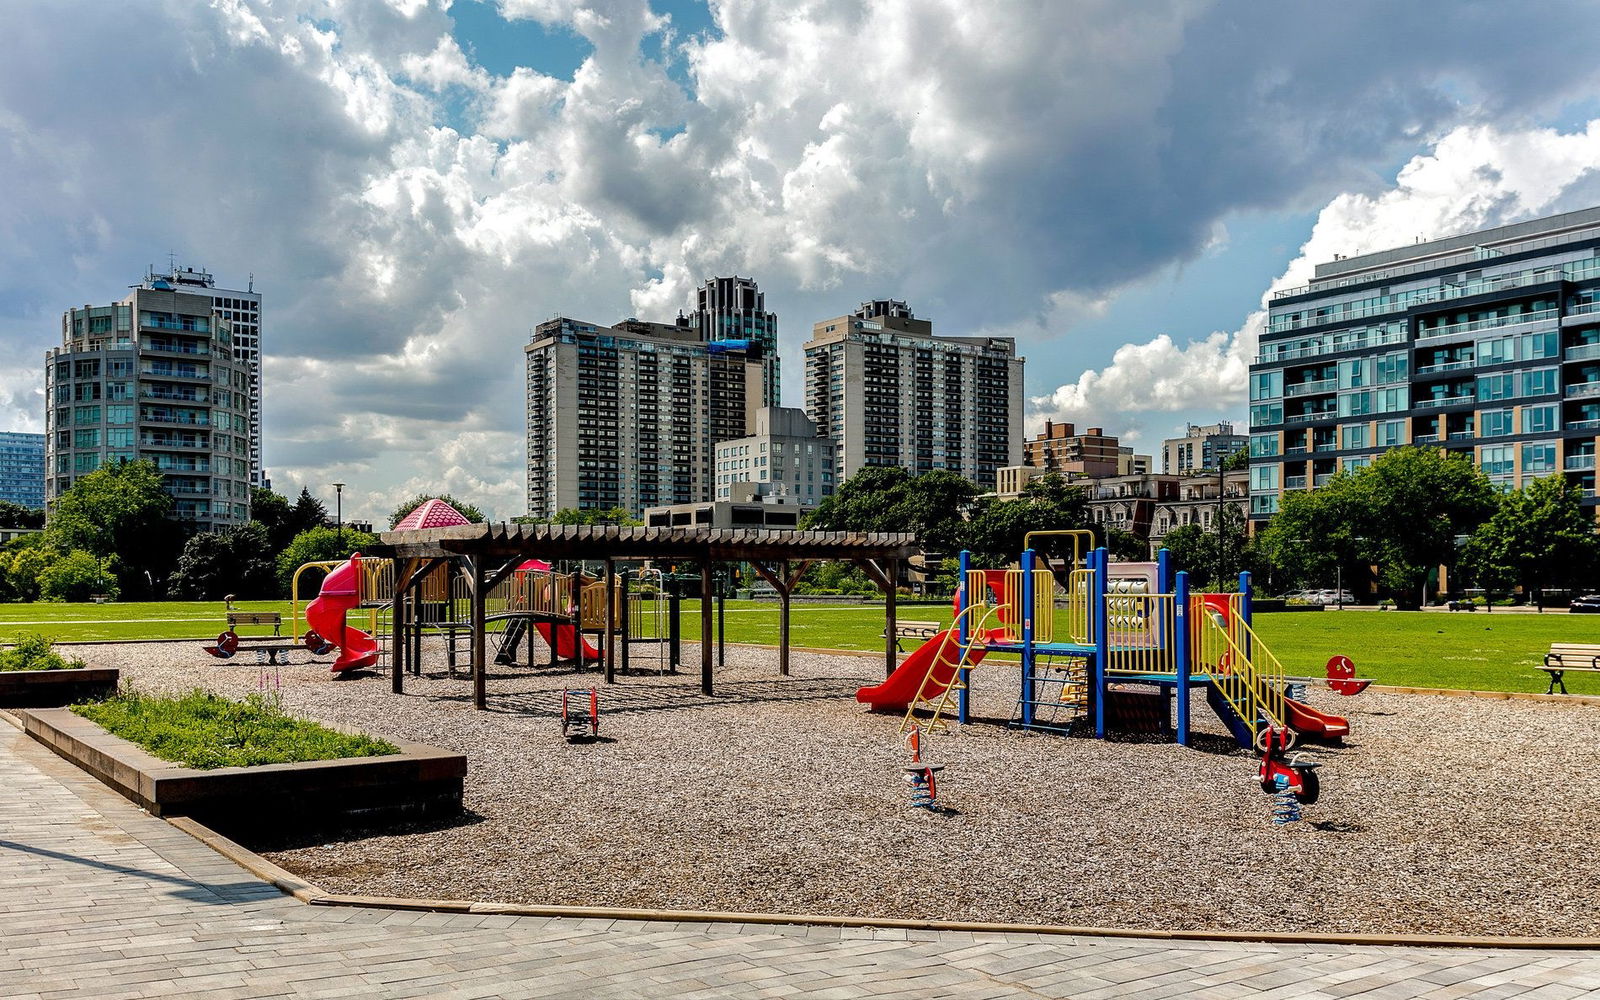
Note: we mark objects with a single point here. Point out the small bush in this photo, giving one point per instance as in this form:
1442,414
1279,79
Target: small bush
33,652
203,730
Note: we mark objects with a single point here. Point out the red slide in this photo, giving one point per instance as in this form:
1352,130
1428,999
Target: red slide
897,691
563,643
1314,725
340,593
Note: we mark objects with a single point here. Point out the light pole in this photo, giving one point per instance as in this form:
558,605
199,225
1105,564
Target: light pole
338,506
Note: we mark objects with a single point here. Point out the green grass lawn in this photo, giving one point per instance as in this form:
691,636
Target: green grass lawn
1486,651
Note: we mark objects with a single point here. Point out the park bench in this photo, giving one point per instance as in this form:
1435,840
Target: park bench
100,598
1566,656
913,630
273,618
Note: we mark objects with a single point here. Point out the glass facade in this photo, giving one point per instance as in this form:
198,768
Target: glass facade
1486,345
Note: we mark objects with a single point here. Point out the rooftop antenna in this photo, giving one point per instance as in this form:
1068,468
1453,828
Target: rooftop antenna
172,262
252,286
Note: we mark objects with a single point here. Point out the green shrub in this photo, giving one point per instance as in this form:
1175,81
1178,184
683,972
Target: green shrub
33,652
203,730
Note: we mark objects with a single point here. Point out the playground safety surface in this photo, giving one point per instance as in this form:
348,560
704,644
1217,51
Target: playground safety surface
1444,815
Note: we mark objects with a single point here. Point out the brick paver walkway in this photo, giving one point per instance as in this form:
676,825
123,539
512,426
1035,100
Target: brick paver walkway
99,900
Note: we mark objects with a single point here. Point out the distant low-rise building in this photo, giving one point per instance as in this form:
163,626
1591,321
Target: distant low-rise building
782,458
1093,453
747,510
1198,502
1129,503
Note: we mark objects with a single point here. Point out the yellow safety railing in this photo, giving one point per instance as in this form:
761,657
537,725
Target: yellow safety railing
1139,631
1080,607
1082,540
976,637
1044,605
1242,669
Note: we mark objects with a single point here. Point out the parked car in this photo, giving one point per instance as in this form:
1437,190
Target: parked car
1587,604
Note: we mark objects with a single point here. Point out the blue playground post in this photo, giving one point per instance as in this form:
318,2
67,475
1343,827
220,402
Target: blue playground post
1245,610
1102,642
1163,586
1181,653
962,625
1027,637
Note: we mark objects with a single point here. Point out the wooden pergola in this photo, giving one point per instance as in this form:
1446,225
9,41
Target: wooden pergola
488,553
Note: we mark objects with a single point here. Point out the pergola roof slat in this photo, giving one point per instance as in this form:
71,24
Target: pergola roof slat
599,542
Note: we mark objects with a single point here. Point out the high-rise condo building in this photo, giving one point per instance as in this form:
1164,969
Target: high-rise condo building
153,377
242,310
22,469
735,309
627,416
1203,446
889,392
1485,344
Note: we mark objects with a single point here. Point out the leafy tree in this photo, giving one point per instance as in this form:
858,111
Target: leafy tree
1212,558
1126,546
23,570
317,545
1538,537
468,511
1316,535
888,499
1190,549
237,561
121,513
76,576
308,512
272,511
997,528
618,516
14,515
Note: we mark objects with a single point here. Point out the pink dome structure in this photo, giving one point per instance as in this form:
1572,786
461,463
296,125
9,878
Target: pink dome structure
432,514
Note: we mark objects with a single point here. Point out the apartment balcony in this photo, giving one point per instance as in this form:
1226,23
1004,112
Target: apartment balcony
1579,463
1583,425
1295,449
170,418
175,397
1294,482
1439,401
1440,333
1583,390
1301,418
1325,446
191,373
1308,388
1426,439
1446,366
186,489
202,350
1582,352
1322,480
1463,436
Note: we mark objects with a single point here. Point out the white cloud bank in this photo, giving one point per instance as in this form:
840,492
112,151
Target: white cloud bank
1474,177
410,215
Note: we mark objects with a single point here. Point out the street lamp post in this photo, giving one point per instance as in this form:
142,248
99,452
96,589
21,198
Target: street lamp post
338,506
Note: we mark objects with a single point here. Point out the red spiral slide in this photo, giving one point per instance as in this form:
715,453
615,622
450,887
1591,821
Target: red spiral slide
341,592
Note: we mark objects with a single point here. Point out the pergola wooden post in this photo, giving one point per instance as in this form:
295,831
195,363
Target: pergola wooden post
610,649
480,668
705,626
887,578
783,581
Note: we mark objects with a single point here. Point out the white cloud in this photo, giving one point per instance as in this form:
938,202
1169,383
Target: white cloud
410,216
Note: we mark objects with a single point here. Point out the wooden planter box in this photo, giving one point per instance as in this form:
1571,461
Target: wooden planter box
50,688
419,781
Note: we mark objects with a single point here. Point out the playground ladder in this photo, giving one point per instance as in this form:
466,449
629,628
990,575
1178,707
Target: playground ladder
975,639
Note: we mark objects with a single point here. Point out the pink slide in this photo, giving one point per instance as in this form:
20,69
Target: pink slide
900,688
563,643
341,592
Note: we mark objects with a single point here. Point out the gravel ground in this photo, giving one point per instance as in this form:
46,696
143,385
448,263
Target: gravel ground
1441,815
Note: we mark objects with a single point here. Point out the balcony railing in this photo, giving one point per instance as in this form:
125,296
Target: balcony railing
1294,482
1426,404
1490,323
1325,446
1300,418
1303,388
1579,463
1580,308
1463,435
1583,425
1445,366
1425,438
1583,390
1322,480
1582,352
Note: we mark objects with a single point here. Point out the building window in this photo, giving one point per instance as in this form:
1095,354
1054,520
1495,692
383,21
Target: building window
1355,436
1391,433
1263,445
1539,382
1541,419
1538,458
1491,387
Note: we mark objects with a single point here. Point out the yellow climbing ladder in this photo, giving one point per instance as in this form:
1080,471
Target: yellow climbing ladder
941,703
1238,664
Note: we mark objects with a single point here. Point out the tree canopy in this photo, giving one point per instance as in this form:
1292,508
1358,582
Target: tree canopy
317,545
618,516
889,499
238,561
121,513
14,515
997,528
1537,538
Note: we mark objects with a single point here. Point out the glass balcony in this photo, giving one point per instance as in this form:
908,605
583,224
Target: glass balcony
1323,480
1305,388
1490,323
1583,390
1582,352
1294,482
1425,438
1300,418
1325,446
1583,425
1579,463
1437,401
1445,366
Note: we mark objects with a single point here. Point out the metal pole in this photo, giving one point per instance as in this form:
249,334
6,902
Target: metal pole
722,619
338,506
705,628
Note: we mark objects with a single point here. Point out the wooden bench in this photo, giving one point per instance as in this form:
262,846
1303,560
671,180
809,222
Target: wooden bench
912,630
100,598
1565,656
273,618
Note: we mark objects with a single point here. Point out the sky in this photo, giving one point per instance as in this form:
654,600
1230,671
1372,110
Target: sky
414,184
